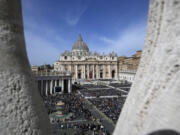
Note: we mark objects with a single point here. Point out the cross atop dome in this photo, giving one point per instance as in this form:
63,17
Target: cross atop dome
80,38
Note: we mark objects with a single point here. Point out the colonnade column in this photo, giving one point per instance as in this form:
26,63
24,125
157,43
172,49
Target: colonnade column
51,86
58,82
42,93
55,85
46,87
69,86
62,85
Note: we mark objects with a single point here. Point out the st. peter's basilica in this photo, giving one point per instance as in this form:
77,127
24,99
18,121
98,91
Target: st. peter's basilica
83,64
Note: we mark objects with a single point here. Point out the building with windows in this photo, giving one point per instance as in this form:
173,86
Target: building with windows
84,64
128,75
127,66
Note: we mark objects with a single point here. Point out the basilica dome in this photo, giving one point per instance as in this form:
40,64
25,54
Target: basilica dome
80,45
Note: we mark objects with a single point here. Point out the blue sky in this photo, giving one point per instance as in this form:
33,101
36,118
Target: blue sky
52,26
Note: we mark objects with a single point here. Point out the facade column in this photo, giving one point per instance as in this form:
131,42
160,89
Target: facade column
97,71
109,72
51,86
84,71
87,71
76,72
93,72
46,87
104,71
62,85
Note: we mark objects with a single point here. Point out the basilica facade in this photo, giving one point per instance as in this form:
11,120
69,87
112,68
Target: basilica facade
83,64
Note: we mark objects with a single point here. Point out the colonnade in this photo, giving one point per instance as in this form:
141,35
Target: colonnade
52,86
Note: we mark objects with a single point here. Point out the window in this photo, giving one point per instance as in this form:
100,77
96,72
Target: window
65,57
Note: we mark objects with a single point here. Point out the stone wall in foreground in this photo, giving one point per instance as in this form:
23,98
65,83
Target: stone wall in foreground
154,100
21,110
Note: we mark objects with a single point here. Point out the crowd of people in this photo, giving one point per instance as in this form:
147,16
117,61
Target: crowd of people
121,85
81,122
124,86
100,92
87,86
107,100
72,104
111,107
82,128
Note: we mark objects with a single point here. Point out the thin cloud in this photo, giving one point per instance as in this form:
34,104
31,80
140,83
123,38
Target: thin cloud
107,40
73,15
128,41
73,18
43,43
